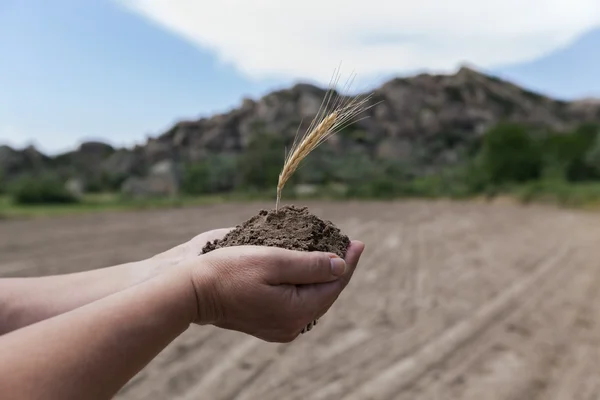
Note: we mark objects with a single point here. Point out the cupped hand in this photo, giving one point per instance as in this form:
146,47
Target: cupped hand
268,292
175,257
190,249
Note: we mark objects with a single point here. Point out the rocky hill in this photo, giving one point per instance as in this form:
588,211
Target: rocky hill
417,117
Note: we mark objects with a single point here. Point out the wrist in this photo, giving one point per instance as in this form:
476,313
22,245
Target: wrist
204,284
142,271
177,290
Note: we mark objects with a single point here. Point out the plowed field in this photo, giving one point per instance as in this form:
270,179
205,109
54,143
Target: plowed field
451,301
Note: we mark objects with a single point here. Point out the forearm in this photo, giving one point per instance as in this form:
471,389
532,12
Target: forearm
91,352
24,301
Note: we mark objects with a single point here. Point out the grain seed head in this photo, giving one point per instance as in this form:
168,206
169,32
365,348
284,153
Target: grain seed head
328,121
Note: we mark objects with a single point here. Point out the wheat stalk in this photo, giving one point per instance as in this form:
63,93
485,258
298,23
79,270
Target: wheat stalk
323,126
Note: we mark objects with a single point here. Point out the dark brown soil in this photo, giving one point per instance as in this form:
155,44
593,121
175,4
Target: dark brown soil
291,227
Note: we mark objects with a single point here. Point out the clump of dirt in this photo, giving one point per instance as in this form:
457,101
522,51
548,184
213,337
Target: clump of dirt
290,227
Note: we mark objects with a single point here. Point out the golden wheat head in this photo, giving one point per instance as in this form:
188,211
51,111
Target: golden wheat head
343,113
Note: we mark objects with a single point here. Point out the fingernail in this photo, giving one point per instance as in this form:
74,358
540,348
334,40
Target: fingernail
338,266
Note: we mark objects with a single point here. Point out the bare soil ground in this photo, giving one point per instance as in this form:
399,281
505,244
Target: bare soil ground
452,301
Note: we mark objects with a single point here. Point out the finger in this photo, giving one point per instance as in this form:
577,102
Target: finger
300,268
321,296
318,298
353,254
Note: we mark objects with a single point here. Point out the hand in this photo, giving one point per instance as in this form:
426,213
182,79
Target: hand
182,254
190,249
268,292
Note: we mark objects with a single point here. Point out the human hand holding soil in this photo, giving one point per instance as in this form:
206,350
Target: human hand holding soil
269,292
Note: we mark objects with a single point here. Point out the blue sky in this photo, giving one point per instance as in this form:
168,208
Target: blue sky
78,69
119,71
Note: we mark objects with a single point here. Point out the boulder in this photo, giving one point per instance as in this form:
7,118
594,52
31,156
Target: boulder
75,186
161,181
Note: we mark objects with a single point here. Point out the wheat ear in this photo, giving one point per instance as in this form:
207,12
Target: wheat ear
321,129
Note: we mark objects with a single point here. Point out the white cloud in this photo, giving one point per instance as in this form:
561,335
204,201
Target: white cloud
307,39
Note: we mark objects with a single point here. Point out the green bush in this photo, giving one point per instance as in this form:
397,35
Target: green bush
215,174
572,156
260,164
104,182
510,154
41,190
428,186
559,192
592,156
470,178
385,187
196,179
3,182
321,167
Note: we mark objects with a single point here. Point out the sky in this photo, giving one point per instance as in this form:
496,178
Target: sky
120,71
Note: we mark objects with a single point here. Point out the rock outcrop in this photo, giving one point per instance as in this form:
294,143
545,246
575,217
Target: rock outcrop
413,116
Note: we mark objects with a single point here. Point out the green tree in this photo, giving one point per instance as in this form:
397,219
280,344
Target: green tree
569,155
44,189
196,179
321,166
557,155
592,156
103,181
215,174
509,154
3,182
261,162
583,138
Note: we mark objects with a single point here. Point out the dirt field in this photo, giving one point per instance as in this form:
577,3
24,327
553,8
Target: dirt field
452,301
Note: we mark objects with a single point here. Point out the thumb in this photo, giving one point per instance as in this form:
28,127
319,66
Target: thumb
301,268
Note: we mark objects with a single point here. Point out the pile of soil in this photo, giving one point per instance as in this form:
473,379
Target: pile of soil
290,227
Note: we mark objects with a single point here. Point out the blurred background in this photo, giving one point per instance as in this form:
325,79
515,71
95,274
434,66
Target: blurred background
474,180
